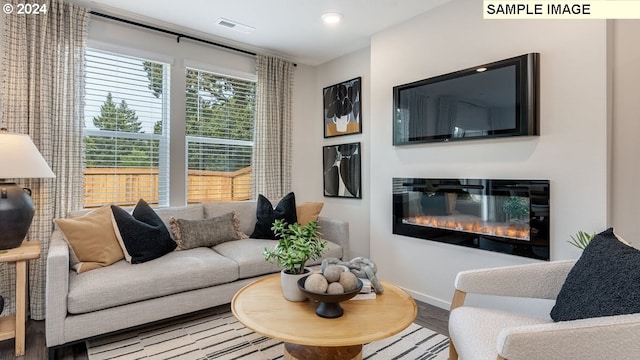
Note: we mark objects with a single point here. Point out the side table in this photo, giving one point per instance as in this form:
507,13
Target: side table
13,326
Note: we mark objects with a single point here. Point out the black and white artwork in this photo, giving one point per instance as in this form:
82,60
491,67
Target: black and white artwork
341,112
342,174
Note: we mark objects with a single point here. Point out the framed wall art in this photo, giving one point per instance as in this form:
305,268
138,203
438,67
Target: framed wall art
342,170
341,109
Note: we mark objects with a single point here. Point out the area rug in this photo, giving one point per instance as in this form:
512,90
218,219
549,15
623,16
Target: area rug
221,336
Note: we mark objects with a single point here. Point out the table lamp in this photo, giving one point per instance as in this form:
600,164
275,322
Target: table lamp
19,158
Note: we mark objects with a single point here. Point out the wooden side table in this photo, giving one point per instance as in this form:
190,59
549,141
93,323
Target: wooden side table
13,326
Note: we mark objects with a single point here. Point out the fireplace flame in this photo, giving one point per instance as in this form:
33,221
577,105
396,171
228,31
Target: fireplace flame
506,230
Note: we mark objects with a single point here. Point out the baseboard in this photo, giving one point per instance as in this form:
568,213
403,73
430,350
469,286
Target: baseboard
429,299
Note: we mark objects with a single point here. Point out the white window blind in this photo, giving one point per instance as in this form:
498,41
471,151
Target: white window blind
126,130
219,120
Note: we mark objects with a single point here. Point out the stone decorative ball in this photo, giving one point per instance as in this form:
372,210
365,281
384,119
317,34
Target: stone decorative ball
316,283
348,281
335,288
332,273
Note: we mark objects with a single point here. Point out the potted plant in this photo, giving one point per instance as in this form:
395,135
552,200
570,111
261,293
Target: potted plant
581,239
297,245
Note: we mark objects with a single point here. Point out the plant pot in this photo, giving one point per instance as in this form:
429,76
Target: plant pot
289,283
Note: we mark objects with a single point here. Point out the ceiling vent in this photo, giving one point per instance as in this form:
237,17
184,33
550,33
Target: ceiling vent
230,24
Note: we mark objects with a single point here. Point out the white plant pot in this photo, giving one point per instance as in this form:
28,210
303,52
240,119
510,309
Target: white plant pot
289,284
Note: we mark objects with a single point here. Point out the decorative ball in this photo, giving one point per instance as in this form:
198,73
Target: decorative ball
332,273
335,288
348,281
316,283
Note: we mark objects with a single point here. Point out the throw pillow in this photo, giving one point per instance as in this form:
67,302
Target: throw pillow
206,233
266,215
603,282
142,234
308,211
92,239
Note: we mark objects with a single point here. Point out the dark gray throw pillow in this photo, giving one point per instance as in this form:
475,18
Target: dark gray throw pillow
605,281
266,215
190,234
143,234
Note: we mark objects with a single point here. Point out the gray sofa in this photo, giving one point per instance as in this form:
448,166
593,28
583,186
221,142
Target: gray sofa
123,295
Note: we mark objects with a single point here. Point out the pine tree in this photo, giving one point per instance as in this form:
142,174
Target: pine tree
117,151
210,99
117,117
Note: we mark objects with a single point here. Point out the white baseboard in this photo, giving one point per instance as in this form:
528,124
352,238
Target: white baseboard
429,299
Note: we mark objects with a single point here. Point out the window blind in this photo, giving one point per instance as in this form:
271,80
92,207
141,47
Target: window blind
126,130
219,127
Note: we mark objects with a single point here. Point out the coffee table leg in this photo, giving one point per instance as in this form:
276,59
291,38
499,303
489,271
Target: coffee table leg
303,352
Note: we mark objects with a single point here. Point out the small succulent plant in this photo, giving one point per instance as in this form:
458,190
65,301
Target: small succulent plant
297,245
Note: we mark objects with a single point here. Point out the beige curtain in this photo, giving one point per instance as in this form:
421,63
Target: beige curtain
42,95
272,130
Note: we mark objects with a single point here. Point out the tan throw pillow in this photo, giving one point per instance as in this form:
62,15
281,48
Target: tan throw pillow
92,239
190,234
308,211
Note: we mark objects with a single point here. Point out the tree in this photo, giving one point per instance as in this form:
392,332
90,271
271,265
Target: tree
216,107
116,150
117,117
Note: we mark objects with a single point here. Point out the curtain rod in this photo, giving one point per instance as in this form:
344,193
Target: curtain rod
178,35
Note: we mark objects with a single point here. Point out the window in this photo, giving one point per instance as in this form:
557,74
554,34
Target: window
219,129
126,130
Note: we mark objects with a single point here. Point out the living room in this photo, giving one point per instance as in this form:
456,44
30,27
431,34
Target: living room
586,146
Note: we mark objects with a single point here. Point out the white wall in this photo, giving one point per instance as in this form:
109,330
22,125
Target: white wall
571,150
308,142
625,175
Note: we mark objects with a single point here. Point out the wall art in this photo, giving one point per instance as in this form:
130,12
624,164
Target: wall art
342,108
342,170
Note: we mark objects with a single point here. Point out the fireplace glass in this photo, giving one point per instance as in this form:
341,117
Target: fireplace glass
507,216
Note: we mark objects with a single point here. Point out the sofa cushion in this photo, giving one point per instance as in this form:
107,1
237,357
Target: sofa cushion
123,283
189,212
246,211
248,255
266,214
142,234
603,282
206,232
92,240
308,211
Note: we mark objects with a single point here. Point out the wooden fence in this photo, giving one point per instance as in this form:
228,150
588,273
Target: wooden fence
125,186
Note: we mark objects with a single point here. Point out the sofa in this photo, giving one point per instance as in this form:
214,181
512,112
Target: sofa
124,295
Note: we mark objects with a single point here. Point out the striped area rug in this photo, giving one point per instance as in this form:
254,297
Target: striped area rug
221,336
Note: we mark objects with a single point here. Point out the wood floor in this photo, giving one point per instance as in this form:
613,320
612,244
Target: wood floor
429,316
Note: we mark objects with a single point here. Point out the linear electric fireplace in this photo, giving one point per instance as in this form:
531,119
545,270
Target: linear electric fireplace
507,216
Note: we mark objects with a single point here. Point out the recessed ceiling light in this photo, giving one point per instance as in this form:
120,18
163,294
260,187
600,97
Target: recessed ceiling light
482,69
234,25
331,18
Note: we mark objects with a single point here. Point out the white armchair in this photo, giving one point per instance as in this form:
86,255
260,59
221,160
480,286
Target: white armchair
487,334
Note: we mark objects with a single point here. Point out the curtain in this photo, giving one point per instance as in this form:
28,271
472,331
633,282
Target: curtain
42,96
272,129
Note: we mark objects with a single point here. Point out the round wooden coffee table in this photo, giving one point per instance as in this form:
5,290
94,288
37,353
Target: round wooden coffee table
261,307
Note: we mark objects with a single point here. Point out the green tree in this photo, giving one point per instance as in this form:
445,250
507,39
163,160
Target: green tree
211,101
117,117
116,151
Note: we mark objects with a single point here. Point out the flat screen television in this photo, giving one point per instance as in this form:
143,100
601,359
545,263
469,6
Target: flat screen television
486,101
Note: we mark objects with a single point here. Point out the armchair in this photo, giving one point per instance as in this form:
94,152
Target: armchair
487,334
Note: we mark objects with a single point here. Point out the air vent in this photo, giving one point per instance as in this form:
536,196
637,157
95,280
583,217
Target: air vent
230,24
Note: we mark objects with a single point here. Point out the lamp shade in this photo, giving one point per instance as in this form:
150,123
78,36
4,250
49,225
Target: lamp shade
19,158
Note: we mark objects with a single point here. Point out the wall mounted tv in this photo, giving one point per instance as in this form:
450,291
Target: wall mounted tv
486,101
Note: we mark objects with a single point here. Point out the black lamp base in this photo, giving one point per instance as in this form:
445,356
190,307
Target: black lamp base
16,213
